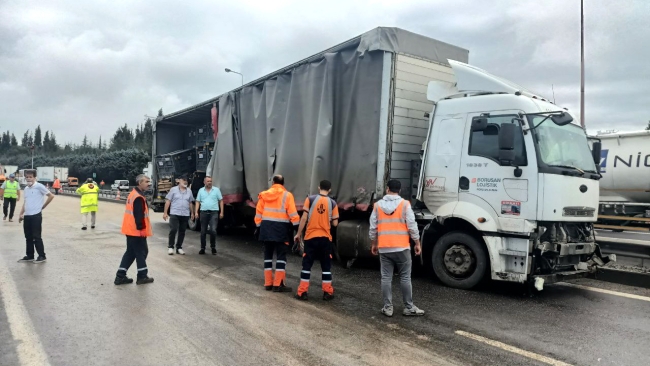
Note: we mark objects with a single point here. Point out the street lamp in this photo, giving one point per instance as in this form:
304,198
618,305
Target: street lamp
235,72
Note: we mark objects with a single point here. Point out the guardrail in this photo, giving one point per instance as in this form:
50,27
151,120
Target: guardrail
104,195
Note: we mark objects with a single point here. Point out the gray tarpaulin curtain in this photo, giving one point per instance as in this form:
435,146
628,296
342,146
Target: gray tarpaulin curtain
317,121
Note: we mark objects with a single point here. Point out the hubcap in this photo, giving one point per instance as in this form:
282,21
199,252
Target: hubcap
459,259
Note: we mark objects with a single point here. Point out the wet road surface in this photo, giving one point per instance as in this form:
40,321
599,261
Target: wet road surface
213,310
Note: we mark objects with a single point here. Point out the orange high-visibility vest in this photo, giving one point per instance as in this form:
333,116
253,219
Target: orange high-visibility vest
281,209
392,231
56,184
128,222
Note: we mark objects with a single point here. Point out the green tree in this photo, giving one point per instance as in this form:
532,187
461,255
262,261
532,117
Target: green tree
14,142
38,139
25,140
123,139
46,141
648,127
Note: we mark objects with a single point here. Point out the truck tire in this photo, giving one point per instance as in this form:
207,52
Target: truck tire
459,260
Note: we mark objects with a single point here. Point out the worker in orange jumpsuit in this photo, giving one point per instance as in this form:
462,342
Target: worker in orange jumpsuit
56,185
320,213
276,218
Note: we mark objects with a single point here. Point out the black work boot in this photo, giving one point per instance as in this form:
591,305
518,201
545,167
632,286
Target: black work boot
145,280
282,288
268,288
202,251
304,296
327,296
122,280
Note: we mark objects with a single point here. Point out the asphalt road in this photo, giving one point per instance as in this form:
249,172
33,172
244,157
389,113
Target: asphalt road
213,310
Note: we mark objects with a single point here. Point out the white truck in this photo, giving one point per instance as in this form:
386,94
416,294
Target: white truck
625,187
48,174
503,185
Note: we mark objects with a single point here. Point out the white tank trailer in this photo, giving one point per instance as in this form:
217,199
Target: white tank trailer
625,186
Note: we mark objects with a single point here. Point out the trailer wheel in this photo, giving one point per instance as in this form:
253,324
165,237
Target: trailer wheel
459,260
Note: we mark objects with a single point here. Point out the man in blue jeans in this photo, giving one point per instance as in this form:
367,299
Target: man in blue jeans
209,209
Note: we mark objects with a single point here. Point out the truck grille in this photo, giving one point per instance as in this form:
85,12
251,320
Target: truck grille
578,212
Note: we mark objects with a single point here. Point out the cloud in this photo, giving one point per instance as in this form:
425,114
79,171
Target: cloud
87,67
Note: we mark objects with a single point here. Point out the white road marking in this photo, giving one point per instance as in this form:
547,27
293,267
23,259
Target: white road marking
603,291
29,347
512,349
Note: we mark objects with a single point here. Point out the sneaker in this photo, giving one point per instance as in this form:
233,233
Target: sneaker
282,288
387,310
84,228
4,218
122,280
268,288
40,260
180,251
202,251
11,220
302,297
26,259
327,296
142,281
413,311
214,251
170,251
92,227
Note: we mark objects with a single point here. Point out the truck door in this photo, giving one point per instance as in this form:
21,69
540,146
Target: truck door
492,184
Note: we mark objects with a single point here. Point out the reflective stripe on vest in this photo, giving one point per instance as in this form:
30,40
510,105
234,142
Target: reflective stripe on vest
128,222
11,189
392,230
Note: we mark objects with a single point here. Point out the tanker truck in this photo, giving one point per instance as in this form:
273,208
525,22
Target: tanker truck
625,186
504,186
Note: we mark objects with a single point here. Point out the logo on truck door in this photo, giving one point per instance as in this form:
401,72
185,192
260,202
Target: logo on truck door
434,184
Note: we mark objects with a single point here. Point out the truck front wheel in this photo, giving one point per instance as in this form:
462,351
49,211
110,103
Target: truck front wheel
459,260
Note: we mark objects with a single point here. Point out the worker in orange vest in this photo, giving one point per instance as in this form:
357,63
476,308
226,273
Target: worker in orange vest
276,219
320,213
391,224
56,185
137,228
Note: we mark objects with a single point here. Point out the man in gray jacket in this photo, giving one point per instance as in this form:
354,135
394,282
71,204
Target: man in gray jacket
392,224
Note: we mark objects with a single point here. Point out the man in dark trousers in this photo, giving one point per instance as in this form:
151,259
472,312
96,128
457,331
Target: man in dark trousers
320,214
137,227
31,213
179,202
276,218
10,193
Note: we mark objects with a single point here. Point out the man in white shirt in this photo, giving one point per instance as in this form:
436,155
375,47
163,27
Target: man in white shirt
31,214
179,203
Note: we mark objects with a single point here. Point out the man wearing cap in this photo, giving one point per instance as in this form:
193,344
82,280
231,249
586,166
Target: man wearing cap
179,209
89,198
10,194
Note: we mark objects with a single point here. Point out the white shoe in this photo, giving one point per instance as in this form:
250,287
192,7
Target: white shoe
413,311
387,310
170,251
180,251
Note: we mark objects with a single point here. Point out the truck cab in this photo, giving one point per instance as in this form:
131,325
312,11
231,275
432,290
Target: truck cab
508,185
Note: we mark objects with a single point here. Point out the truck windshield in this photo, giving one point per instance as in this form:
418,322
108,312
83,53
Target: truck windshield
562,146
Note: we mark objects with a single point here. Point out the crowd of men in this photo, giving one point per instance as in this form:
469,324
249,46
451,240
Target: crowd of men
392,227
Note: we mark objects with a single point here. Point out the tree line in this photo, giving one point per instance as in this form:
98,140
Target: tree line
122,157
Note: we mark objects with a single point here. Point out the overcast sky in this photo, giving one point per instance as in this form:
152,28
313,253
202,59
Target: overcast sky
89,66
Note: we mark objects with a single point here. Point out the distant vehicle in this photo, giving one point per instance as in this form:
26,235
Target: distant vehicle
47,174
122,185
73,182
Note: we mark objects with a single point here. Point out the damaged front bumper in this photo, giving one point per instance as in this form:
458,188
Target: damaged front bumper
582,270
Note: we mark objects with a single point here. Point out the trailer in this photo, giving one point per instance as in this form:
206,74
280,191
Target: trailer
625,187
475,154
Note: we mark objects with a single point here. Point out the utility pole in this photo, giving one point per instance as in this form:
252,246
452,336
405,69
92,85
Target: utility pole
582,64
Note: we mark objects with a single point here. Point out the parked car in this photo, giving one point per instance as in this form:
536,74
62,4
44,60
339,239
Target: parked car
122,185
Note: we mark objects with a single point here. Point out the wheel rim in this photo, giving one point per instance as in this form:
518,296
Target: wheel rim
459,261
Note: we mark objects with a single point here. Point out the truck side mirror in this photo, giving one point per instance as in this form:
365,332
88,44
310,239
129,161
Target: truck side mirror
507,143
479,123
595,152
562,119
